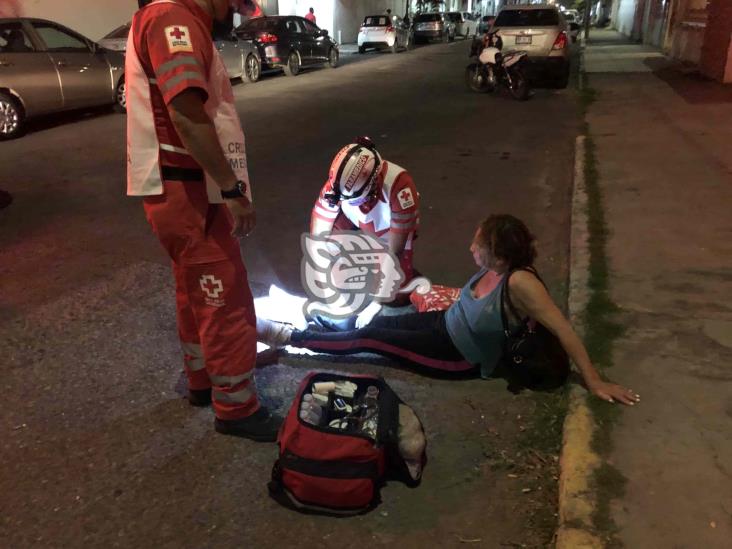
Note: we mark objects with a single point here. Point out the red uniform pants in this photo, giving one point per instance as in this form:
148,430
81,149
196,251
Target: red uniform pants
216,320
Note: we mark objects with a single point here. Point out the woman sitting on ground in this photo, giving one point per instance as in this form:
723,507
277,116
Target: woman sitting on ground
469,336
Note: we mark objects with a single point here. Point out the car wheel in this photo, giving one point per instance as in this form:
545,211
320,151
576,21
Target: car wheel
292,68
333,58
252,68
361,49
395,46
12,118
120,97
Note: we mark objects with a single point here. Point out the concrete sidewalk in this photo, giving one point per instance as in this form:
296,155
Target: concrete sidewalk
662,137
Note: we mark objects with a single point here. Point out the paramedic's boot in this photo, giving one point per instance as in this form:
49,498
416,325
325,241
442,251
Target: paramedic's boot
261,426
199,397
274,334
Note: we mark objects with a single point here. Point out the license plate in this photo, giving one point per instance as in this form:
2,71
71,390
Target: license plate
523,40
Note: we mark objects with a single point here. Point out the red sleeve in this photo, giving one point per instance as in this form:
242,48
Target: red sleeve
323,215
180,51
404,202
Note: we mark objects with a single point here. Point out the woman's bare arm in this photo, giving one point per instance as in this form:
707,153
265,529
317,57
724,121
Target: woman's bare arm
531,298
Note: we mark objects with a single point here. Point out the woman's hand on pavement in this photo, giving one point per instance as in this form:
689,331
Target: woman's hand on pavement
612,392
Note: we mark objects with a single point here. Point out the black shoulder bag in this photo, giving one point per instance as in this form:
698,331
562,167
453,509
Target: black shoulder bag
532,357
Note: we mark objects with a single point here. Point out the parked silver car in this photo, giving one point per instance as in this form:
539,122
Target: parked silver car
234,51
541,31
46,67
433,26
117,39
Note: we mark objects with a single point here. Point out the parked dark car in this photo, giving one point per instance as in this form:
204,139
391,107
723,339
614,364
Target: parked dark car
46,67
289,42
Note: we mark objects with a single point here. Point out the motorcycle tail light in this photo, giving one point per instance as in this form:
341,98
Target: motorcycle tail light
561,42
267,38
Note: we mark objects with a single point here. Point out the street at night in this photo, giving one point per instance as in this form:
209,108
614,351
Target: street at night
134,411
96,427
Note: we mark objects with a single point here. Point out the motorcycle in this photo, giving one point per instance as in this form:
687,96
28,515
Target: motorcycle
494,69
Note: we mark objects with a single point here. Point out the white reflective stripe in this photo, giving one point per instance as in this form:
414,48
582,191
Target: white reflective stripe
403,216
239,397
230,381
193,349
194,364
177,62
193,360
178,78
153,81
329,214
404,225
171,148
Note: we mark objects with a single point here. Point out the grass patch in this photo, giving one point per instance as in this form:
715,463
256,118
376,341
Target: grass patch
601,332
540,445
611,483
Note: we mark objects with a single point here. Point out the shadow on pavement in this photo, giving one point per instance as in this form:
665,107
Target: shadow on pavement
690,84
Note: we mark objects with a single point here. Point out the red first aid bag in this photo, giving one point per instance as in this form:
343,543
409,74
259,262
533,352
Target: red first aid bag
324,469
438,298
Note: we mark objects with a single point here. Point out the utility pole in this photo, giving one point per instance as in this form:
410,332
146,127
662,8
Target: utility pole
588,10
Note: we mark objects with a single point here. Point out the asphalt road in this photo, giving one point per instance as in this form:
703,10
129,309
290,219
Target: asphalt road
98,446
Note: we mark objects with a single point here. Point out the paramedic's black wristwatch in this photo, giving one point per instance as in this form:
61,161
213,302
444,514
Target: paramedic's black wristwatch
239,190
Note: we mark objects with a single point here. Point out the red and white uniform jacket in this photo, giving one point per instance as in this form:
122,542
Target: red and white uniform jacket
182,56
396,210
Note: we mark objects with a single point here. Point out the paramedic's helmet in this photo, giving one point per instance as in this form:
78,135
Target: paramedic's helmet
352,175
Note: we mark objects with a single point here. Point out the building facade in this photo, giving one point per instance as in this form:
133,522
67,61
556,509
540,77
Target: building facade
695,31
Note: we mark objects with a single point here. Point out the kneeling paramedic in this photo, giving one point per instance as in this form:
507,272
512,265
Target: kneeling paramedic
186,156
367,193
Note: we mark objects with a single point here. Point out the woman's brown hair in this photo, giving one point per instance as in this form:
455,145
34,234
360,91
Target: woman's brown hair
508,238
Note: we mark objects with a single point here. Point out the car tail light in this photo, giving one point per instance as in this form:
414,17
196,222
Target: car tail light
389,29
561,42
267,38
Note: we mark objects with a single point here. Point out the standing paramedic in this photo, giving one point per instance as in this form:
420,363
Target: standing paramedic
186,157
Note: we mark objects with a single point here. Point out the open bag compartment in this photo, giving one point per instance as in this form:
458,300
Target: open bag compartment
339,470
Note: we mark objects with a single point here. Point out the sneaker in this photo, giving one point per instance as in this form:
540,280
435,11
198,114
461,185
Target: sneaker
199,397
261,426
274,334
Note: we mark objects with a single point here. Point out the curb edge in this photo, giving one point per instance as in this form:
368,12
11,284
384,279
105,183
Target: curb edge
577,501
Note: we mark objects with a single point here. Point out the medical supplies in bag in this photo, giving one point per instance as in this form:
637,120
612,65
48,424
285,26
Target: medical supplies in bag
343,436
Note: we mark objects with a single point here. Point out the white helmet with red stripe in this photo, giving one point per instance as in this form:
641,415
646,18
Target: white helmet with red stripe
353,172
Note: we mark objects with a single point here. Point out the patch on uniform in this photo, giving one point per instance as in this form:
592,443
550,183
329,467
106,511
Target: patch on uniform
406,199
179,39
213,288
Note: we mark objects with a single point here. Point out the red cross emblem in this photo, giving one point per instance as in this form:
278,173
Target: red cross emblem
405,195
177,33
211,286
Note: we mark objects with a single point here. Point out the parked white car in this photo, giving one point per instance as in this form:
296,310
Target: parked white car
465,26
382,31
